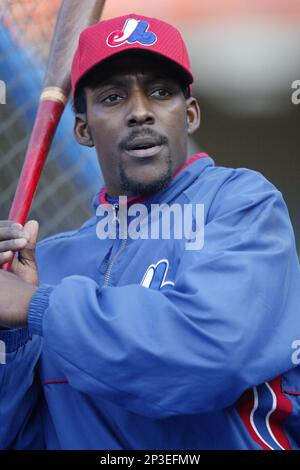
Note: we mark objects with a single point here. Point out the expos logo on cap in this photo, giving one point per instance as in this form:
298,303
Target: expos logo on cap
133,31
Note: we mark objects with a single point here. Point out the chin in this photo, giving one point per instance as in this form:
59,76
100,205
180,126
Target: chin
148,177
146,186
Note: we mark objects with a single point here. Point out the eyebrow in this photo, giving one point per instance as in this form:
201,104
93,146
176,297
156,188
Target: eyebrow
116,81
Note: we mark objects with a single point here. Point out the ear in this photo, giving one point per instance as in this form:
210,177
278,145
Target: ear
81,130
192,115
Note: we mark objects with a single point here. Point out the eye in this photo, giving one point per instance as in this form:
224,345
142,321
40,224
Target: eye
161,93
111,99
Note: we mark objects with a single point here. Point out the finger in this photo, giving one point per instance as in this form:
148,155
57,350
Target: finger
28,252
32,228
13,245
8,223
13,231
5,257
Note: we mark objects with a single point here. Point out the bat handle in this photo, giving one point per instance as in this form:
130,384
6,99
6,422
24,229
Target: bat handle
51,107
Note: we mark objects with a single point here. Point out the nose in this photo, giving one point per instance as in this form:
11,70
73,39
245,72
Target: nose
139,110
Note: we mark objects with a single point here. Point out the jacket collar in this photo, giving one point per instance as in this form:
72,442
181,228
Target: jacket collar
181,180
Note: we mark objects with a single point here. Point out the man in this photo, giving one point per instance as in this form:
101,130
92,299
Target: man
152,343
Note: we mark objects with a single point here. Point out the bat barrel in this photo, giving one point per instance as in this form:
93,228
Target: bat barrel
74,16
50,109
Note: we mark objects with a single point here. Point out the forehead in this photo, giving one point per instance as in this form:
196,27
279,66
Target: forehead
125,65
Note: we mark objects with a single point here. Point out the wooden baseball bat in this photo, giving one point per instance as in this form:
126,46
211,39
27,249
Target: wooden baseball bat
73,17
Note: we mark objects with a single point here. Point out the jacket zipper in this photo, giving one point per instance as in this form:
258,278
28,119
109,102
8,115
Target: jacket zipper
122,247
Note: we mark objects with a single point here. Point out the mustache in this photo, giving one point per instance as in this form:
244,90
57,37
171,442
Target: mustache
138,133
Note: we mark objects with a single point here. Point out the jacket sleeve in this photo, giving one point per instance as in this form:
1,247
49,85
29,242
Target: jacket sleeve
228,323
20,420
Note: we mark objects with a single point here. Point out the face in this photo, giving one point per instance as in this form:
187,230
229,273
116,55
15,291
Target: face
139,121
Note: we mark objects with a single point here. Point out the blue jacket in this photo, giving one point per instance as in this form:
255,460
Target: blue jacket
144,344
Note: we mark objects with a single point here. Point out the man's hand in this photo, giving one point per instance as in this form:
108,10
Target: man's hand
18,286
15,238
15,298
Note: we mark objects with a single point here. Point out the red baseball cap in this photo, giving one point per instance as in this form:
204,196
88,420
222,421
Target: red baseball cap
130,32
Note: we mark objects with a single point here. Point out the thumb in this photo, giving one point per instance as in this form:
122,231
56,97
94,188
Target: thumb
28,253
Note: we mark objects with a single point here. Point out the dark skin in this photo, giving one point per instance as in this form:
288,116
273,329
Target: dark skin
136,99
18,286
139,97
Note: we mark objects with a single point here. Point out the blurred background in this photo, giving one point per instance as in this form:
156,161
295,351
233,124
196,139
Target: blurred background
245,56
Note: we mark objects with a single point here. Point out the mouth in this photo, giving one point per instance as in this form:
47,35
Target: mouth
143,148
144,152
